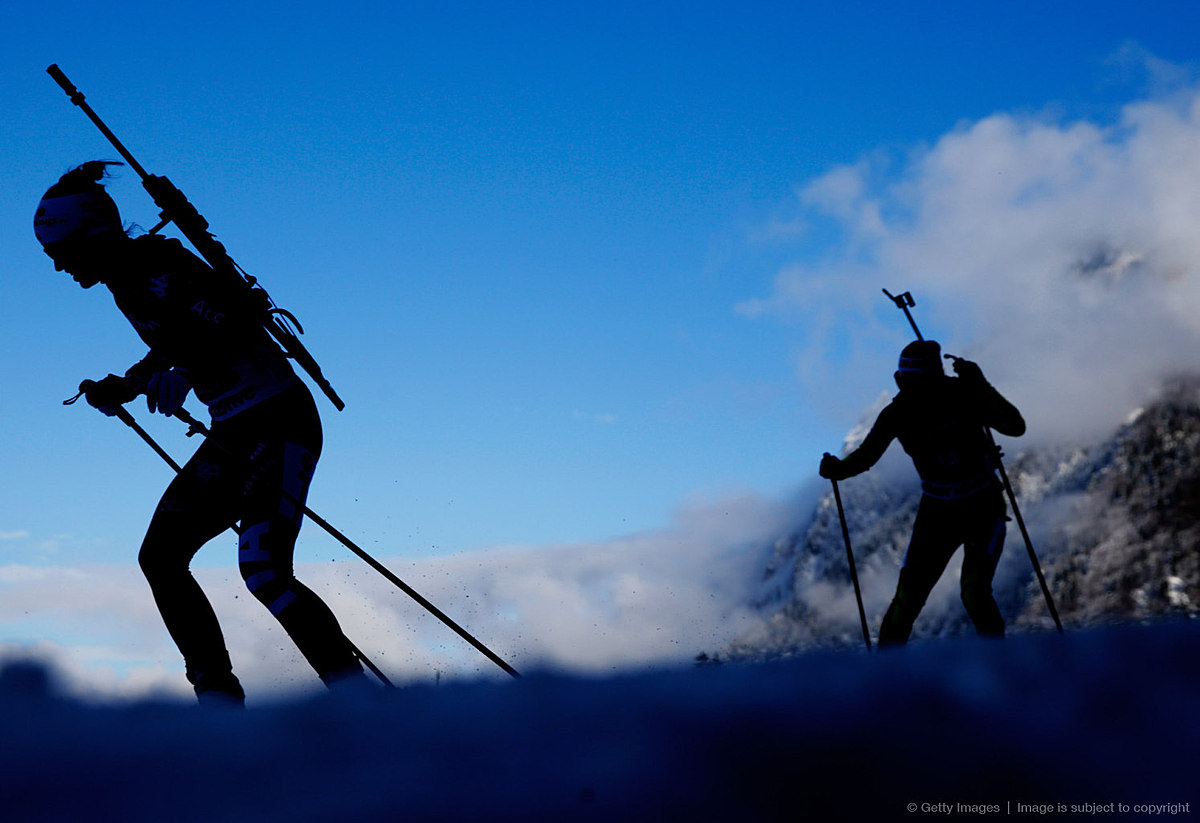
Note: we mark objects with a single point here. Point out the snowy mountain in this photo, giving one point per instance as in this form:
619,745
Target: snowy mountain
1115,525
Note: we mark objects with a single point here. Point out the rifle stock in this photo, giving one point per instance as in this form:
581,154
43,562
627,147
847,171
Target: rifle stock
177,209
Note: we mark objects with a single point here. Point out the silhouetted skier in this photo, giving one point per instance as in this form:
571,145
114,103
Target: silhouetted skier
265,436
940,420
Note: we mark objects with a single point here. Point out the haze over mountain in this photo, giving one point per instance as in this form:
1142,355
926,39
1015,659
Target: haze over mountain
1115,524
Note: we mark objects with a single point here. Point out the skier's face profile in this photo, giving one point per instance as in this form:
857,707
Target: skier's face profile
88,261
79,226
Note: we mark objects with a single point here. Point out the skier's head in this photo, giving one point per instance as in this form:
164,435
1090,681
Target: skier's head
76,222
920,365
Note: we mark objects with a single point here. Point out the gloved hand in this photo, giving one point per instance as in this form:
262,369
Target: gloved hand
968,370
167,390
831,468
108,395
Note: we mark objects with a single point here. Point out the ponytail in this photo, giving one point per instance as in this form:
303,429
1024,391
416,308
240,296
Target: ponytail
83,178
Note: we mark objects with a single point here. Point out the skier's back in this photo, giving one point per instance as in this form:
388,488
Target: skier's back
940,422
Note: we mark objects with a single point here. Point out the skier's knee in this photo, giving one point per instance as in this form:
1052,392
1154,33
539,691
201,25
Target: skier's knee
257,577
265,568
148,562
270,585
157,561
975,598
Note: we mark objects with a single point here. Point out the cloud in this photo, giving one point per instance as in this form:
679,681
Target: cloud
652,599
1062,256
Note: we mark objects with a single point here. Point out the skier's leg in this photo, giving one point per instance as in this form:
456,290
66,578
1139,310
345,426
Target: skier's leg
981,554
273,508
198,505
929,551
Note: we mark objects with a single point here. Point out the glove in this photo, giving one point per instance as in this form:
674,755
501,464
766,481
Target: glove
831,468
968,370
167,390
108,395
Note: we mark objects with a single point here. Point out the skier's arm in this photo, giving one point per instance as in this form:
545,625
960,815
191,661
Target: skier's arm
996,411
867,454
1002,415
166,387
137,376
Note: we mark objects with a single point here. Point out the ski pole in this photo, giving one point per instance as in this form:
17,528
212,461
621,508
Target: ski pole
125,417
1012,498
862,614
410,591
375,670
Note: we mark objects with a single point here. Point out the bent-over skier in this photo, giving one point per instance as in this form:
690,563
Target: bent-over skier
205,337
940,420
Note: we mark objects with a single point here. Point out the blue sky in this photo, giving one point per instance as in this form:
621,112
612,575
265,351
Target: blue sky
577,270
516,234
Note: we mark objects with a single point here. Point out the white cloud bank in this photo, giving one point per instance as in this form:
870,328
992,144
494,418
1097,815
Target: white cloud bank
654,599
1065,257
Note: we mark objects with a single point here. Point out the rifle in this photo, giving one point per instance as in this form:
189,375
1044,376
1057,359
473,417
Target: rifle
903,302
177,209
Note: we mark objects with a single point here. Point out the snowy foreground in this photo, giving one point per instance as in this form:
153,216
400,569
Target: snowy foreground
1031,726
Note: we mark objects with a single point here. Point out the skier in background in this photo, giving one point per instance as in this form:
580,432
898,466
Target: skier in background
940,420
265,437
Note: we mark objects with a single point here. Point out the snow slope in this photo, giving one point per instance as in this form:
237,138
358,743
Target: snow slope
1105,716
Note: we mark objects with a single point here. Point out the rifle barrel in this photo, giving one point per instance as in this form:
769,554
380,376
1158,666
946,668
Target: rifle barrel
78,99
